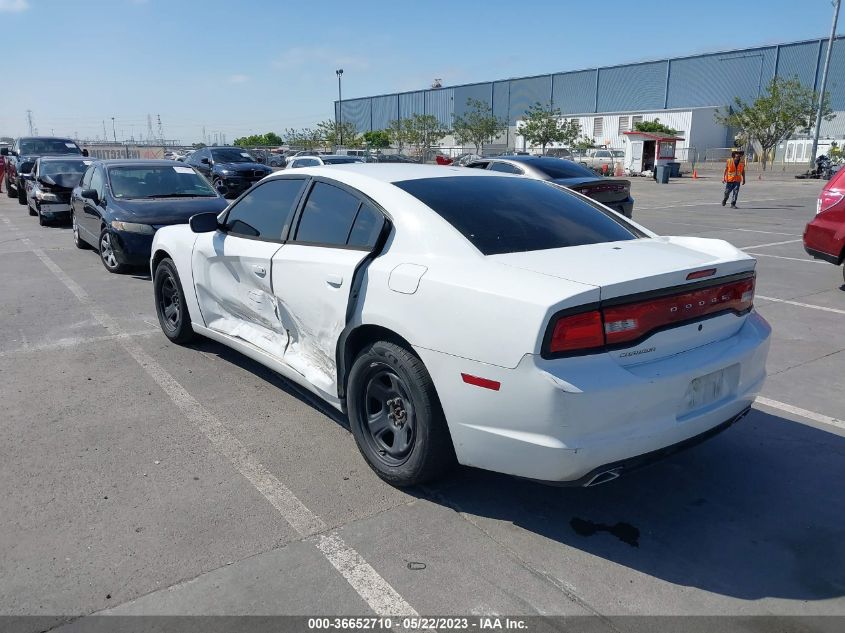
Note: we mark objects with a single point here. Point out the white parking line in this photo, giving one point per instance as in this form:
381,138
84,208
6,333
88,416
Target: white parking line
716,203
366,581
804,413
768,232
74,341
794,259
801,305
745,248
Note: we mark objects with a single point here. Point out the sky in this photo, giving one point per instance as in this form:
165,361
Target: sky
238,67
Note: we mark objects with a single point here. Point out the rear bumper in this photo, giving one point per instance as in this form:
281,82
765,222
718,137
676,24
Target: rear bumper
563,420
626,207
833,259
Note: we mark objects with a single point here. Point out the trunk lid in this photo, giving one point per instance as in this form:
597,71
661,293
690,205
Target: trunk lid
604,190
637,268
634,266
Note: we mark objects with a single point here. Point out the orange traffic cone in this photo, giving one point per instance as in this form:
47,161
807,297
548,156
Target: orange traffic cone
695,174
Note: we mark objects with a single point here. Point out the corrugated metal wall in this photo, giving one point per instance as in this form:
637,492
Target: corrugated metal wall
574,92
625,88
384,110
700,81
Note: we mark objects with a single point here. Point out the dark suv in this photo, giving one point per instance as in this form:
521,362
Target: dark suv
232,170
24,153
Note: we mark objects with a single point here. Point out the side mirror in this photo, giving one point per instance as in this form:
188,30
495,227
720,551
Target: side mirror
90,194
85,152
205,161
204,222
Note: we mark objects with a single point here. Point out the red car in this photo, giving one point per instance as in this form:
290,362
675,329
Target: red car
824,236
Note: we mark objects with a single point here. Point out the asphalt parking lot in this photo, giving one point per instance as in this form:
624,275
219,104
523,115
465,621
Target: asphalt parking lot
143,477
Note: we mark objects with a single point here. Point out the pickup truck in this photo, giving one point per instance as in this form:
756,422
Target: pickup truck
596,159
23,154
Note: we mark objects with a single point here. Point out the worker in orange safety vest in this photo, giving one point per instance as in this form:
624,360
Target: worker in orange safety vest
734,176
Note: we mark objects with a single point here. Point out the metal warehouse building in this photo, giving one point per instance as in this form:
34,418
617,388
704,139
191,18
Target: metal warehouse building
683,92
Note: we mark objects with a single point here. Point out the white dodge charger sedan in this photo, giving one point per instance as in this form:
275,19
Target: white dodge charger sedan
457,315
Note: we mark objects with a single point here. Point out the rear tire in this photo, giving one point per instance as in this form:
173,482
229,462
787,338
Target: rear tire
396,417
77,240
172,311
9,193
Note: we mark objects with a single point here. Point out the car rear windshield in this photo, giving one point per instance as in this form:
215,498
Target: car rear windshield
510,215
556,168
48,146
232,156
54,167
341,160
178,181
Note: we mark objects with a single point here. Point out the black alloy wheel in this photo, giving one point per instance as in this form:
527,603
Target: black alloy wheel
173,316
396,417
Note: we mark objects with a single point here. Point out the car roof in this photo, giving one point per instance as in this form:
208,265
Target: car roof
65,157
390,172
46,138
530,159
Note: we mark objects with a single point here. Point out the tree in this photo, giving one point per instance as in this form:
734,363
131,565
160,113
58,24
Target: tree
254,140
306,138
332,133
397,133
477,125
655,127
785,107
585,142
422,131
377,139
542,126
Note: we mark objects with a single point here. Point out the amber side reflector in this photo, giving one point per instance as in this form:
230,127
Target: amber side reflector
481,382
698,274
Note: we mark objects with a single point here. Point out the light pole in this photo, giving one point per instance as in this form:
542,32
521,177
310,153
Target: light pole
113,131
339,118
824,83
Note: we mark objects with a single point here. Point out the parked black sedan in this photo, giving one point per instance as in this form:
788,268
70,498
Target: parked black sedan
120,204
49,185
232,170
611,192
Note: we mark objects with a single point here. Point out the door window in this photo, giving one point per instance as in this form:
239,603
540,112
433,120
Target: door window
98,182
266,211
86,179
328,216
505,168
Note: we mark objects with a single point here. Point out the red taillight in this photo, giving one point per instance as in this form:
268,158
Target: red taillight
578,331
629,322
829,198
619,324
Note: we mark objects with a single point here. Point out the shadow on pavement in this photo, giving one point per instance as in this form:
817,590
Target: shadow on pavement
755,512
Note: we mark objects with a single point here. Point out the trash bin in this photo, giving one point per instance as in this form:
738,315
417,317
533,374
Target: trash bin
663,172
676,170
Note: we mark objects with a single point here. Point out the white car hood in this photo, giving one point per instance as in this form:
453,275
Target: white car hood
633,266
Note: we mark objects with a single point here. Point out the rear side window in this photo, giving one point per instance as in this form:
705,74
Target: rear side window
509,215
505,168
266,211
559,168
366,228
328,216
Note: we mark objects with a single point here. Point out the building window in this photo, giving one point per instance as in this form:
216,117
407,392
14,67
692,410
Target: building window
637,118
623,125
598,127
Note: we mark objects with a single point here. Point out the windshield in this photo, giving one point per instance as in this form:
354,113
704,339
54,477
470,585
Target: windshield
556,168
158,181
48,146
509,215
231,156
56,167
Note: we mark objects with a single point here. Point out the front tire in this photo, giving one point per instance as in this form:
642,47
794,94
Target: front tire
172,311
396,417
9,193
41,221
108,255
21,193
33,212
